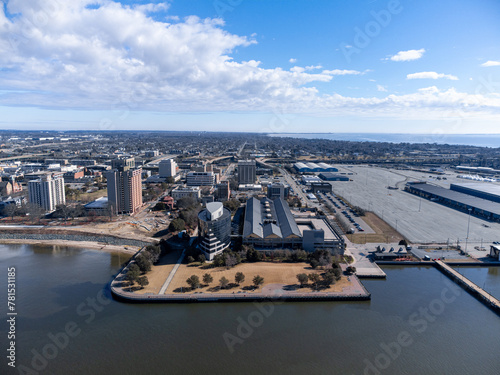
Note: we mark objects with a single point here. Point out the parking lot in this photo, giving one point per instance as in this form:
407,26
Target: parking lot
418,219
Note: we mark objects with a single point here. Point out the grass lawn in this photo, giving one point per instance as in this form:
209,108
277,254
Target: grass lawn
160,272
273,273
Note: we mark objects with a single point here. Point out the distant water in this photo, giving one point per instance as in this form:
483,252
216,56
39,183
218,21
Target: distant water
443,329
480,140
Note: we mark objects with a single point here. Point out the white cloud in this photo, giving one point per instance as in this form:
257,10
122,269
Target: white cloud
292,60
118,58
381,88
341,72
313,67
431,75
150,8
491,63
412,54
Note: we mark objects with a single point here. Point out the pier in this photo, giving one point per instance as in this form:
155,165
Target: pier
468,285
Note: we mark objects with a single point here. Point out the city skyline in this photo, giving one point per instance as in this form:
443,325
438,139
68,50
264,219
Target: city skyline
361,66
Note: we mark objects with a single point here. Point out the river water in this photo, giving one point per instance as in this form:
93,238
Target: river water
417,322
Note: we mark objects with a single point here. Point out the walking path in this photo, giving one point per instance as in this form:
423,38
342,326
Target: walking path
172,273
364,266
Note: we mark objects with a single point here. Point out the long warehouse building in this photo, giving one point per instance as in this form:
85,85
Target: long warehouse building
483,208
481,190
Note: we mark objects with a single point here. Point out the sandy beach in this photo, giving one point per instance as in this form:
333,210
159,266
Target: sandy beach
82,244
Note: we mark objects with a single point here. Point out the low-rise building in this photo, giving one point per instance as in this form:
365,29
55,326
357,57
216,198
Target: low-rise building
201,179
186,191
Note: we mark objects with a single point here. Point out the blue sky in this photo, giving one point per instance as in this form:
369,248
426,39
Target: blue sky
403,66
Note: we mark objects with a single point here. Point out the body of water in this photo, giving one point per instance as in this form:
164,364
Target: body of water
418,322
481,140
487,278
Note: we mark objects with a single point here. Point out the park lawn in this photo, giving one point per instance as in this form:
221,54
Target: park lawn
89,197
273,273
160,272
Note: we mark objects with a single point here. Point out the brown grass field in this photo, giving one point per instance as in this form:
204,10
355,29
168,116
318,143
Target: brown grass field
383,231
160,272
273,273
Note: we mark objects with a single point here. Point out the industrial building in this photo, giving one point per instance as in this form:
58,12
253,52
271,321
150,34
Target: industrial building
308,180
321,186
314,167
483,208
214,229
319,234
495,252
328,176
482,170
481,190
270,224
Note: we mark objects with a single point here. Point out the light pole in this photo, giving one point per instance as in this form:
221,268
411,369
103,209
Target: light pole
468,227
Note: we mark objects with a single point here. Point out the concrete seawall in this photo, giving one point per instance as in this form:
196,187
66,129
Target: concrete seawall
117,291
191,298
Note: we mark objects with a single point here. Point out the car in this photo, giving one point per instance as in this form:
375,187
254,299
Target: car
361,230
426,257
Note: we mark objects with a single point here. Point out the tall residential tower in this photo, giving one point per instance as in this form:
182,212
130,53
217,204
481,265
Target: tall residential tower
124,188
47,192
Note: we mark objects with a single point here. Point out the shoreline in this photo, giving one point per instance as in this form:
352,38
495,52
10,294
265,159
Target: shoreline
91,245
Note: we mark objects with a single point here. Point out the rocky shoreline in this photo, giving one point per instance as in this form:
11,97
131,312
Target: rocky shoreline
28,235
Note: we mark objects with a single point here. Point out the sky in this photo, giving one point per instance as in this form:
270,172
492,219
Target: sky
273,66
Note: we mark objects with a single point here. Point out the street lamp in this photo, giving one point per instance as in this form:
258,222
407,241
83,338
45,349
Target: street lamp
468,227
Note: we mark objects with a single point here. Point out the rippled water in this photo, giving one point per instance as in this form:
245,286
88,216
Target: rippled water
416,323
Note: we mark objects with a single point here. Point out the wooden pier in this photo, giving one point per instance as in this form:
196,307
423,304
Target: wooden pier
468,285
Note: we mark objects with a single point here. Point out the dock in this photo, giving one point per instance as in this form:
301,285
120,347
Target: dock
468,285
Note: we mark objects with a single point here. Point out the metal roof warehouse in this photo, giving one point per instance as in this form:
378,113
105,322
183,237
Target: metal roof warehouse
483,208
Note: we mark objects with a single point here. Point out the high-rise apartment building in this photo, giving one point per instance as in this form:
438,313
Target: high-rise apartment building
246,172
47,192
168,168
123,163
124,190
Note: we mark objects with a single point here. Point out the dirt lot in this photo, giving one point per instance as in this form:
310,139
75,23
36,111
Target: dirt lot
383,231
273,273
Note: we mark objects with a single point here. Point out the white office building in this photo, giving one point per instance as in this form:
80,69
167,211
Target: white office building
168,168
201,179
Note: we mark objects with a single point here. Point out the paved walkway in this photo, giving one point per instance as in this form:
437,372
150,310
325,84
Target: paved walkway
172,273
364,266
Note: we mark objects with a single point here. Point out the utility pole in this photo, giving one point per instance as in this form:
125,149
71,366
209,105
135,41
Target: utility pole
468,227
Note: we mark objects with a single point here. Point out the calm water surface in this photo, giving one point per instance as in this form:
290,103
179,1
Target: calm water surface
441,329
